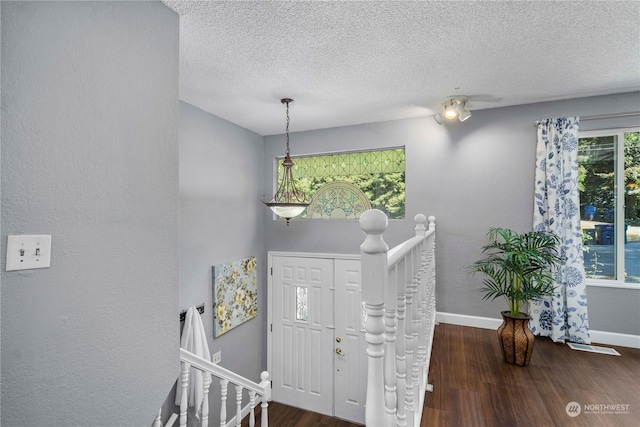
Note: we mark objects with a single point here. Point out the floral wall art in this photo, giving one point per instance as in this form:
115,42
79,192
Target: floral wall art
235,294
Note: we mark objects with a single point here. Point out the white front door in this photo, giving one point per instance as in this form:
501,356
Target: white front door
350,360
302,319
318,354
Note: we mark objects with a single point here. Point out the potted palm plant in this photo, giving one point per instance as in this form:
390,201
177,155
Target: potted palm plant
518,267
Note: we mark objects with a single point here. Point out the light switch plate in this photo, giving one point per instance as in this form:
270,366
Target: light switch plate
217,357
25,252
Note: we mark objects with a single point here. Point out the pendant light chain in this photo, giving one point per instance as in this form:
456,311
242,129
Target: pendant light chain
287,151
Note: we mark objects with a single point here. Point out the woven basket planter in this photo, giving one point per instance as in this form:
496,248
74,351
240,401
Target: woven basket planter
516,339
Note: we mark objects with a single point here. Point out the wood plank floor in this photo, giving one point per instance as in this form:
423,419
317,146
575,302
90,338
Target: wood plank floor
474,387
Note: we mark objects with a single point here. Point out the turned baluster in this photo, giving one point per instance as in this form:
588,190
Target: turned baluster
408,337
252,404
157,421
206,383
223,402
184,376
389,349
401,358
238,405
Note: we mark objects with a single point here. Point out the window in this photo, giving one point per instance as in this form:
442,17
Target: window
344,185
609,184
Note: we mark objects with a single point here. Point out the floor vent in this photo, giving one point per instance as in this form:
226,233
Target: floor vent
593,349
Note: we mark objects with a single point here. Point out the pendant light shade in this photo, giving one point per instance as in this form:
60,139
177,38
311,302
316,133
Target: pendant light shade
288,202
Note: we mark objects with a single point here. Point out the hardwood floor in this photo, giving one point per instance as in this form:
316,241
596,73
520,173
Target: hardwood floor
474,387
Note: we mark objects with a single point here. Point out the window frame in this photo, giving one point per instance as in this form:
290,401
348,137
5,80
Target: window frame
618,132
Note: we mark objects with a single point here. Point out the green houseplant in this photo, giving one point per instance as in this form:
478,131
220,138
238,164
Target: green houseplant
518,267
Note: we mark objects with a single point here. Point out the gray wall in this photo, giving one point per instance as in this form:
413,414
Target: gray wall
90,156
221,166
471,176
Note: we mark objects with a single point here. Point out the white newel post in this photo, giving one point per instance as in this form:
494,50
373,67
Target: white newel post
266,384
184,402
374,280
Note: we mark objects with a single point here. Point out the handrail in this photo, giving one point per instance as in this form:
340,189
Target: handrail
398,252
219,371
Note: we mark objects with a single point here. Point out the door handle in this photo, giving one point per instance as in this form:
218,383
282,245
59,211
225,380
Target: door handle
339,351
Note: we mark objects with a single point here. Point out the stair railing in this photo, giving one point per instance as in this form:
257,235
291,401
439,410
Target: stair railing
226,377
398,290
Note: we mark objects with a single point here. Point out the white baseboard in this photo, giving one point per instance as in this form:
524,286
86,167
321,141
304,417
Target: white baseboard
598,337
466,320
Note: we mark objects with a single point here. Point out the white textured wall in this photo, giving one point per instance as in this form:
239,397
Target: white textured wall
471,176
90,156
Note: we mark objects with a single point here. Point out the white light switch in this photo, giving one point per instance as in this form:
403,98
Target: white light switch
217,357
25,252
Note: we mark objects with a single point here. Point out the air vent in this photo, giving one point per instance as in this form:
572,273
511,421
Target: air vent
593,349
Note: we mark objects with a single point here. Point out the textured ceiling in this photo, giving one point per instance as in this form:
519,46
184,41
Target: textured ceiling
357,62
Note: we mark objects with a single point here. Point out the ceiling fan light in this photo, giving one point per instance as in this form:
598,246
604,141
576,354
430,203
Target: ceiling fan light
464,115
450,112
438,118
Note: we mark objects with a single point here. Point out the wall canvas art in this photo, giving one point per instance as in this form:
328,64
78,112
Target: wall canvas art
235,294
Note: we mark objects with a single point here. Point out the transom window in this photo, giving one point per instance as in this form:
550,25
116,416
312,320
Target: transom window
344,185
609,184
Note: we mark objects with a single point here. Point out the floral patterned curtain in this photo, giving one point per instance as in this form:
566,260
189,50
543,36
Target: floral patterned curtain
562,316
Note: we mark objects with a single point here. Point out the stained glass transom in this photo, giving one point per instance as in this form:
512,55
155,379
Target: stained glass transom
338,200
378,177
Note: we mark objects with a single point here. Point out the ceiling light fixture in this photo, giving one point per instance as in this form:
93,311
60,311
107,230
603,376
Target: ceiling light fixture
453,108
288,202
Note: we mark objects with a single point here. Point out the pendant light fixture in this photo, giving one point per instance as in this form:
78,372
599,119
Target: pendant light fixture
288,202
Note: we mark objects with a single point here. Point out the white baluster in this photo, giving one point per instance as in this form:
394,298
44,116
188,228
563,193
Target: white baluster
401,358
389,350
252,404
206,383
264,382
415,316
184,376
223,402
431,301
157,421
408,337
374,326
238,405
422,312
